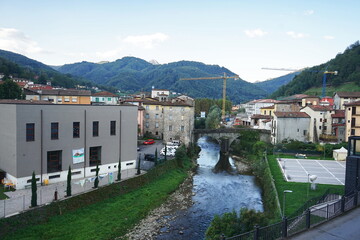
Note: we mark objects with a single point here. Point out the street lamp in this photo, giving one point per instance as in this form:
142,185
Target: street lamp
284,200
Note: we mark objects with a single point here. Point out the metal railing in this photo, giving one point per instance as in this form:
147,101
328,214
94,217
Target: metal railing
313,216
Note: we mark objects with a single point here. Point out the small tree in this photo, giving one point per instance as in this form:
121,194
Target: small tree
156,157
96,183
68,186
119,171
33,191
165,151
138,167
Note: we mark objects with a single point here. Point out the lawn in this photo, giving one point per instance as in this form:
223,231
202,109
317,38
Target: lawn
107,219
298,197
2,190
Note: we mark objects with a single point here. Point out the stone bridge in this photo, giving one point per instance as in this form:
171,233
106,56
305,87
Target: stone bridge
229,133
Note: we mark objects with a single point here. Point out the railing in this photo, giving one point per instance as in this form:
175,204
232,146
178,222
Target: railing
312,217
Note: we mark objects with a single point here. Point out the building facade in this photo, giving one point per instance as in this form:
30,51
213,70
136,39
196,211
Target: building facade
48,138
342,98
104,98
352,119
59,96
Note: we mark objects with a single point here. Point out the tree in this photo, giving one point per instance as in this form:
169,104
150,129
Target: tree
68,186
10,90
213,119
119,170
180,155
33,191
96,183
165,152
138,167
156,157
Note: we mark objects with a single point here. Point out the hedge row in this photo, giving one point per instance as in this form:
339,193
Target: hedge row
42,214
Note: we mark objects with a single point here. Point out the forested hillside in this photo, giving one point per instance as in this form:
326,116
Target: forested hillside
347,64
270,86
134,74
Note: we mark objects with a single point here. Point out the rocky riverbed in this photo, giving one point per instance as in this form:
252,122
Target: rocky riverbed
157,220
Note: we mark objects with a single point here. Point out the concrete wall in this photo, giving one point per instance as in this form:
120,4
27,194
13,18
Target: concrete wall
290,128
32,156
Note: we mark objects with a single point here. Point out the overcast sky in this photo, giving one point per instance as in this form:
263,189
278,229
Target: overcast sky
241,35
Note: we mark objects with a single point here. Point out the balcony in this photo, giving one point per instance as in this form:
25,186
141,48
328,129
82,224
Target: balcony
328,138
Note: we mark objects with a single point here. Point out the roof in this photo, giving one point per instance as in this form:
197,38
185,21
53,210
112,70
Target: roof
14,101
296,97
105,94
60,92
338,114
320,108
259,116
356,103
291,115
268,107
348,94
152,101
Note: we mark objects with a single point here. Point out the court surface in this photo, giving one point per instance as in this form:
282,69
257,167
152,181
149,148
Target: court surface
327,171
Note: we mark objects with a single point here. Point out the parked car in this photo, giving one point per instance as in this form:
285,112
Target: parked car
149,142
150,157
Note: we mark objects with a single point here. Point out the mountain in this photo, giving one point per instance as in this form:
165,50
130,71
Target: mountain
134,74
347,64
270,86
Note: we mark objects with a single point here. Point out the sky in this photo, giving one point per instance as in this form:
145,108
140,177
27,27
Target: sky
243,36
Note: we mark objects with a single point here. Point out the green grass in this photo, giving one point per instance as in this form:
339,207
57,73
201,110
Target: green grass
2,190
346,87
307,157
298,197
107,219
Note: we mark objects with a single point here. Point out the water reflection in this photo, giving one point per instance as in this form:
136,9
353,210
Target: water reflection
215,193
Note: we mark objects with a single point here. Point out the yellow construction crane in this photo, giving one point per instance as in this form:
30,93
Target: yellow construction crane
224,77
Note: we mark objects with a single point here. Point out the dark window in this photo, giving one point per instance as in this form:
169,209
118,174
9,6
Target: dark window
54,161
353,122
30,132
54,130
95,128
353,110
113,128
95,156
76,129
352,132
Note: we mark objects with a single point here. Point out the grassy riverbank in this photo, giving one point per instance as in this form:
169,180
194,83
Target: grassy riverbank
298,197
109,218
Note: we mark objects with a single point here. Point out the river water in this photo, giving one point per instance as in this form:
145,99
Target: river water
214,193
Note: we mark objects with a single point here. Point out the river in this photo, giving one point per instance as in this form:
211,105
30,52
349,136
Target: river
214,193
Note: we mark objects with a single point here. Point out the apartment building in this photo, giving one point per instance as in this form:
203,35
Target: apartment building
59,96
342,98
48,138
104,97
352,119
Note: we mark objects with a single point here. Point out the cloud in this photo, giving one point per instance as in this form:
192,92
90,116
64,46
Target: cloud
14,40
309,12
147,41
329,37
110,54
255,33
296,35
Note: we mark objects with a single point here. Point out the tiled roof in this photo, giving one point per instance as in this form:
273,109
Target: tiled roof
356,103
291,115
268,107
338,114
320,108
62,92
13,101
259,116
104,94
348,94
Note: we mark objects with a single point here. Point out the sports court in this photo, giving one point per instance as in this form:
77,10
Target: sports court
327,171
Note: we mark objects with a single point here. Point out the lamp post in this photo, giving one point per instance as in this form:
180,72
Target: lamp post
284,200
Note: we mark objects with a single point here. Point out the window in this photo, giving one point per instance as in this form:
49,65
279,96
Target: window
76,129
170,128
147,107
30,132
147,124
54,160
147,116
182,128
182,117
156,124
264,112
74,99
319,127
59,100
182,109
109,99
97,99
95,156
298,130
353,110
66,99
95,128
353,122
170,117
305,132
113,128
156,116
352,131
325,128
320,119
170,108
54,130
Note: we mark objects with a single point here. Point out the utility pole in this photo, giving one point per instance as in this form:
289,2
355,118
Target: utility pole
224,77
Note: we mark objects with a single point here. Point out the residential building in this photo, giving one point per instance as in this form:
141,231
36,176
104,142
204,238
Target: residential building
161,94
287,106
341,98
46,139
261,121
104,97
309,100
352,119
290,126
321,123
268,111
59,96
338,125
254,107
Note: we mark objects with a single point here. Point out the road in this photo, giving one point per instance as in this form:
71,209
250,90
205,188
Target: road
345,227
149,149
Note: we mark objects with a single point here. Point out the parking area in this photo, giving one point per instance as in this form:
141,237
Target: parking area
326,171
